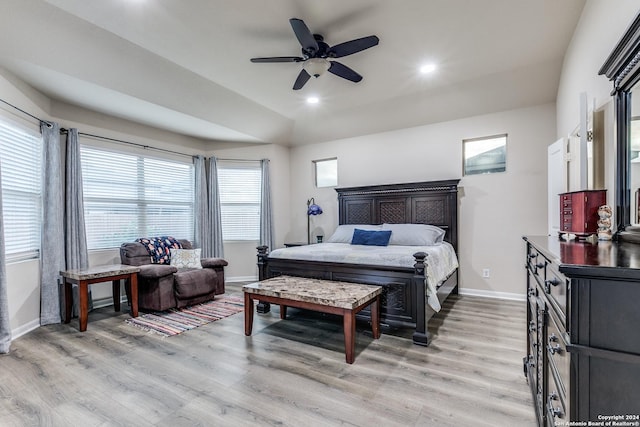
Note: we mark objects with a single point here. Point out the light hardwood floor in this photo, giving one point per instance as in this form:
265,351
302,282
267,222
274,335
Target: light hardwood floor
290,373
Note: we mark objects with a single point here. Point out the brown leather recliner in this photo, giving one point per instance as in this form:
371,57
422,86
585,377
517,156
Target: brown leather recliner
162,286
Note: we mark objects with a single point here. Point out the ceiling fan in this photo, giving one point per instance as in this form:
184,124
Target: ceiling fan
316,55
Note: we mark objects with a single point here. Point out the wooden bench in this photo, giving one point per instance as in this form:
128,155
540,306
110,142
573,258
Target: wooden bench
326,296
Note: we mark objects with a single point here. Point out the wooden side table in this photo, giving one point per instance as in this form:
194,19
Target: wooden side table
102,273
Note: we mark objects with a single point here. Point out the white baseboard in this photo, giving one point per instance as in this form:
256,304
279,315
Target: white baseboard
26,328
107,301
241,279
492,294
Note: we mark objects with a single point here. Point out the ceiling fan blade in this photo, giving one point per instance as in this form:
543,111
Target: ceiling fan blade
303,78
278,59
343,71
306,39
353,46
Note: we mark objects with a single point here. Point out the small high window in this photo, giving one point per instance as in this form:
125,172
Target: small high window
485,155
326,172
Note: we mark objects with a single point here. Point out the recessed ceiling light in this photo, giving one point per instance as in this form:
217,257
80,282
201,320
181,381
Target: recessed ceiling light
313,100
428,68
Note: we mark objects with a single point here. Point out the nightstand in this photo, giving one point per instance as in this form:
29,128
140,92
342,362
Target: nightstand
292,244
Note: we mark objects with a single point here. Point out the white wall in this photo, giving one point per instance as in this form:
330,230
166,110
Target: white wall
601,26
496,210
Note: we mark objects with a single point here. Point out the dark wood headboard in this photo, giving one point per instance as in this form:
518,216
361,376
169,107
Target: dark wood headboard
432,202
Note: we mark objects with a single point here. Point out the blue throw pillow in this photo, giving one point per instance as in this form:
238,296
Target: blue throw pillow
371,237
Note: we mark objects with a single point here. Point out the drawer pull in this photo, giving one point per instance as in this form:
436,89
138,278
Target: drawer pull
532,326
550,282
556,412
553,349
532,292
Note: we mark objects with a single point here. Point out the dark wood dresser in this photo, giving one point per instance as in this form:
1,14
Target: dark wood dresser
579,211
583,330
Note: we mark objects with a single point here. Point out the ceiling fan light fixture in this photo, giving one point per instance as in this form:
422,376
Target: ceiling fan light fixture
316,66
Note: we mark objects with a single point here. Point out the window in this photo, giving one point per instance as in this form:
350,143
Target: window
127,196
21,157
326,172
485,155
240,185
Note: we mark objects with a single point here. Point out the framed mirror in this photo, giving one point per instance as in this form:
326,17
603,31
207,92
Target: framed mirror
622,67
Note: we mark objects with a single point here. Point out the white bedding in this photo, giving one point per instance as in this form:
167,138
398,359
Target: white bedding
441,262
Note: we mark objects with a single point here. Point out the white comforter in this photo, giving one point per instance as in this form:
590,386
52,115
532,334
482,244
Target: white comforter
441,260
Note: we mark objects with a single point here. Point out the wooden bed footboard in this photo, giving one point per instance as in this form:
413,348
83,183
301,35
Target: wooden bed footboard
404,294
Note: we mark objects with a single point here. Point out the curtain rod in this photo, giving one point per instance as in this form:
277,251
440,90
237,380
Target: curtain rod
48,123
146,147
236,160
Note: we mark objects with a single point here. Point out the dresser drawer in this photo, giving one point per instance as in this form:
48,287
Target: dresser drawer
555,404
556,288
557,356
535,261
532,326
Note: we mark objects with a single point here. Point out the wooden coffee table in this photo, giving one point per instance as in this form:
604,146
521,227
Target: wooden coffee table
326,296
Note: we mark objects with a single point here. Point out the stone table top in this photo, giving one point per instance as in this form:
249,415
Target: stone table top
99,271
317,291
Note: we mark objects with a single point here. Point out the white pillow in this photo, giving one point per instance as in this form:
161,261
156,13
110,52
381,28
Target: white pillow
185,258
344,232
414,234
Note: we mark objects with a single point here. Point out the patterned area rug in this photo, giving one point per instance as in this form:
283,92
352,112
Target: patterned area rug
175,321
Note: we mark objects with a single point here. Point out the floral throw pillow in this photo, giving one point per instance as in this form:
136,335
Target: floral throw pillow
185,258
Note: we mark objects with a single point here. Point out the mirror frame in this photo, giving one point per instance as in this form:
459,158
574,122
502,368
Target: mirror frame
622,67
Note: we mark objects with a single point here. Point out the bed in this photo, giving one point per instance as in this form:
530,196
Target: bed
408,298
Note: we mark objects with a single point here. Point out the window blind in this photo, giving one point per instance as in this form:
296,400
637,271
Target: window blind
127,196
21,160
239,184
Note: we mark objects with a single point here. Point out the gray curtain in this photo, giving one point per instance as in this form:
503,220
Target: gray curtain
52,251
77,254
5,325
215,213
266,216
203,224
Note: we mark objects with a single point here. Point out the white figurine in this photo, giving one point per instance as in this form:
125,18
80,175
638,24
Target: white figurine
604,223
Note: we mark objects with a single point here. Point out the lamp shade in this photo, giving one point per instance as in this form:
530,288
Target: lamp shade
316,66
314,209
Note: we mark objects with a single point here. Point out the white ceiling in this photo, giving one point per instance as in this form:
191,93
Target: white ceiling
184,65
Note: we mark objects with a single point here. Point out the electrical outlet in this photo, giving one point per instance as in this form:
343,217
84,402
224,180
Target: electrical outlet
486,273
